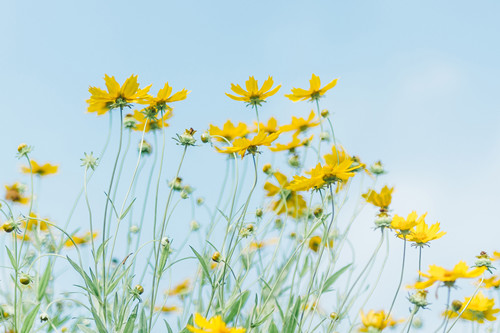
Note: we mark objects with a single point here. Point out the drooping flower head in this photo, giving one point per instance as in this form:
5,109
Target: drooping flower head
289,201
15,193
244,145
437,273
117,96
228,131
212,325
479,309
40,170
253,95
313,93
299,125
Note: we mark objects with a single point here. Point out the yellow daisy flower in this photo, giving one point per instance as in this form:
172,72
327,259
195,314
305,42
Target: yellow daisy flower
315,242
492,282
295,143
15,193
151,124
33,222
165,96
83,239
437,273
315,91
405,225
295,203
229,131
40,170
101,101
213,325
244,145
253,95
259,245
382,199
300,124
270,127
168,308
479,309
373,321
422,234
180,289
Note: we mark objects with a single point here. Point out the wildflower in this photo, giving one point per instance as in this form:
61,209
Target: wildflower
381,200
484,260
165,96
89,161
129,121
419,298
216,256
40,170
314,243
145,147
10,226
176,184
44,317
194,225
200,201
33,222
267,169
374,322
422,234
25,279
289,201
299,125
315,91
405,225
270,127
23,150
318,212
167,308
496,256
253,95
324,136
134,229
15,193
479,309
295,143
145,124
213,325
243,145
259,245
377,168
186,138
492,282
258,212
437,273
116,97
139,289
339,155
180,289
228,131
205,137
80,240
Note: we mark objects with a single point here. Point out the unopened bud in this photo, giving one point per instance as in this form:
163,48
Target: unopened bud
259,212
456,305
139,289
325,113
205,137
216,256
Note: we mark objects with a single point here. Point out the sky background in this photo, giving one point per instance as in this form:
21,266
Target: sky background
418,89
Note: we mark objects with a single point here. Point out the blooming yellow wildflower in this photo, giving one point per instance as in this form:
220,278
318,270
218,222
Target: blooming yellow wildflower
151,124
40,170
496,256
213,325
270,127
382,199
253,95
180,289
374,321
165,96
422,234
492,282
437,273
168,308
259,245
315,242
479,309
33,222
101,101
315,91
300,124
83,239
229,131
15,193
295,143
242,145
290,202
405,225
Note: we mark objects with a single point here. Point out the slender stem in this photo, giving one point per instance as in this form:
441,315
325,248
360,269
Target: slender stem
90,217
447,317
419,263
258,121
466,305
400,278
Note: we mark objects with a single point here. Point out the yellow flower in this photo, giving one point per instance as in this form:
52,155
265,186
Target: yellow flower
404,225
374,321
163,97
229,131
167,308
259,245
290,202
40,170
295,143
213,325
492,282
382,199
151,124
315,91
479,309
270,127
496,256
101,101
300,124
315,242
83,239
242,145
33,222
180,289
15,193
422,234
253,95
324,175
437,273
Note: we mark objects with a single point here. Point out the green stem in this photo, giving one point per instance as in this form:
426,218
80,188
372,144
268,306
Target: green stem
400,279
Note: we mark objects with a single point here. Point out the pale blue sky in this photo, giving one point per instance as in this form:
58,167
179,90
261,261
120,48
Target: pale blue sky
418,89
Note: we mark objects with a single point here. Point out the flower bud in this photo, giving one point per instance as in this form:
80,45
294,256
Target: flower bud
184,195
186,138
200,201
318,212
145,148
377,168
267,169
259,212
134,229
294,161
25,279
334,316
419,298
10,226
139,289
325,113
324,136
194,226
383,221
44,317
129,121
278,223
165,242
456,305
216,256
176,184
205,137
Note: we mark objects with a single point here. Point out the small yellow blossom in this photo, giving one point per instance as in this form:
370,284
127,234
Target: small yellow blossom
228,131
299,125
15,193
315,242
244,145
422,234
405,225
270,127
151,124
295,143
101,101
374,321
492,282
33,222
180,289
382,199
437,273
479,309
168,308
40,170
83,239
496,256
165,96
213,325
259,245
315,91
290,201
253,95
